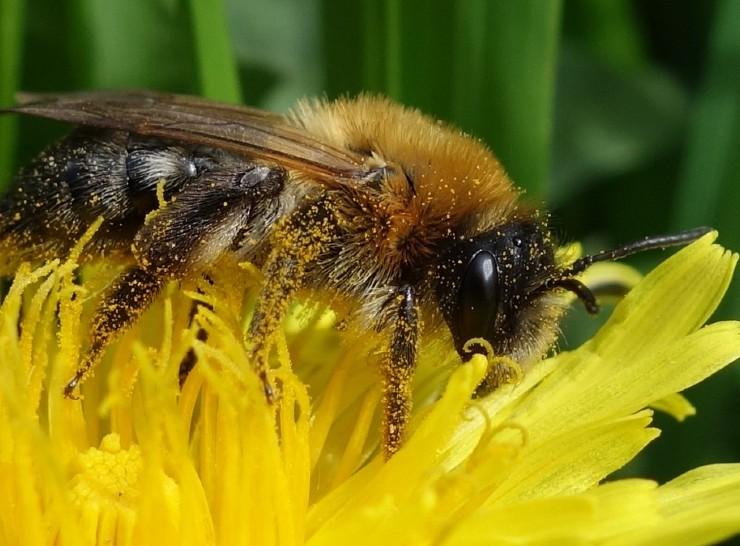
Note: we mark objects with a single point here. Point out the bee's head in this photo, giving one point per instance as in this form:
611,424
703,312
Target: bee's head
485,286
499,286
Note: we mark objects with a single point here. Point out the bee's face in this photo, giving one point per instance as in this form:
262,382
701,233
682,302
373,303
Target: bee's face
489,287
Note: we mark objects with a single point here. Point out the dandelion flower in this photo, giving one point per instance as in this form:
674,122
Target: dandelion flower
141,460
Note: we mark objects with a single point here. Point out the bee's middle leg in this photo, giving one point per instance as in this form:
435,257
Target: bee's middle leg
168,247
190,359
298,243
398,369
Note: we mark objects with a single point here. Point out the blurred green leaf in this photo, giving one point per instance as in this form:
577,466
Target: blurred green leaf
469,49
709,190
609,30
427,39
140,44
609,121
11,33
54,60
216,62
362,44
394,64
277,47
488,66
518,85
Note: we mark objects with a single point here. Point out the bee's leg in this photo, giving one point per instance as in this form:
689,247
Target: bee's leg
298,242
398,369
190,359
131,294
186,235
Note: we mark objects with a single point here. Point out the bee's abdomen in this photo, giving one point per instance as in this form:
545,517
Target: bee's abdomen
93,173
149,164
117,176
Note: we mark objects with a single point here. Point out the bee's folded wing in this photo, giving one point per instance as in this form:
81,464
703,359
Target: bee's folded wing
241,130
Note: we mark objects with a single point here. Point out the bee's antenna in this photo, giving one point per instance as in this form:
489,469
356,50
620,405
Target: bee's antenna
565,279
648,243
579,289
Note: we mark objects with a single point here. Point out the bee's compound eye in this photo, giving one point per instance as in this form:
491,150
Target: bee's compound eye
478,297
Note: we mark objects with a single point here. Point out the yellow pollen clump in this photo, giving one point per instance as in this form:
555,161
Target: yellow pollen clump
107,475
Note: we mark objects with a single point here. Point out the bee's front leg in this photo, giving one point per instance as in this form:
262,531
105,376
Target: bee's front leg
297,244
398,369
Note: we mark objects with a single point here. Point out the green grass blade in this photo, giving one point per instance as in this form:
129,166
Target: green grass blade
712,146
139,44
515,116
709,190
11,33
217,65
393,50
343,65
469,48
486,65
426,56
609,30
370,49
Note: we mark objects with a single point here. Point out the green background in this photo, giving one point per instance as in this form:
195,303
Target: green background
623,116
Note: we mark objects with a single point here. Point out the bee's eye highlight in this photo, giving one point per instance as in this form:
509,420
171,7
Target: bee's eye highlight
478,298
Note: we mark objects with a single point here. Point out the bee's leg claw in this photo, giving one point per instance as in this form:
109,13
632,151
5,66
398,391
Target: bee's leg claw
267,388
70,387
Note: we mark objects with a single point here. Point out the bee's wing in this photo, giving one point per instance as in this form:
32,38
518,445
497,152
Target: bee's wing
238,129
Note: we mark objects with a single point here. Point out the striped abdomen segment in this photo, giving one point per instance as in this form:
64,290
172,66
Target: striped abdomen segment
94,173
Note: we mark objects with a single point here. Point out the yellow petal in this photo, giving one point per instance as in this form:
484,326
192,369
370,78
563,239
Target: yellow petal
674,299
603,277
374,493
644,352
587,518
575,461
675,405
214,463
700,507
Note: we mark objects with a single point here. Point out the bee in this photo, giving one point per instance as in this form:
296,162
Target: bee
411,220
